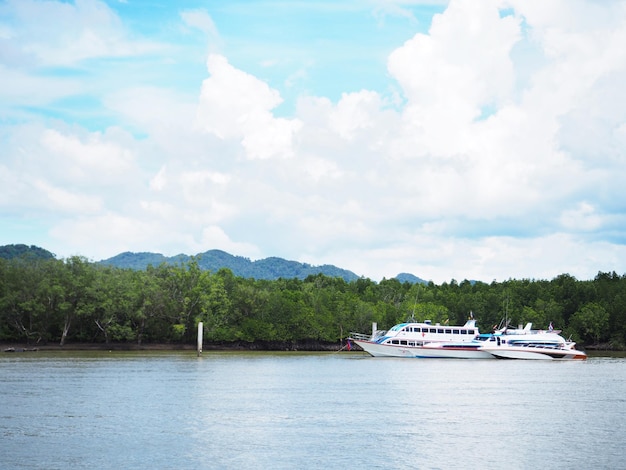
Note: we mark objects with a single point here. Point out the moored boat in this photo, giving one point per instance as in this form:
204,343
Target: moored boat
419,340
532,344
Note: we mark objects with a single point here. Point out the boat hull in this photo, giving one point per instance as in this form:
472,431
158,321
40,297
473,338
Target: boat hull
453,352
536,354
424,352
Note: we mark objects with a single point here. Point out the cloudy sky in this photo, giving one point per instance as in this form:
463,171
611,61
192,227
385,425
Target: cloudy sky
449,139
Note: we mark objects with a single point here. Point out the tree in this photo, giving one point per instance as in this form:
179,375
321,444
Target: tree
591,322
77,278
23,306
216,302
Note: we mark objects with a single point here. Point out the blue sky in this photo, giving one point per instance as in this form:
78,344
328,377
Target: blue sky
450,139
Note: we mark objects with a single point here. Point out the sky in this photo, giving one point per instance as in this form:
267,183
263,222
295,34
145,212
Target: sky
481,140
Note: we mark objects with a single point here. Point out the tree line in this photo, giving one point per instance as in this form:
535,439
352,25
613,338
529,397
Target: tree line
45,301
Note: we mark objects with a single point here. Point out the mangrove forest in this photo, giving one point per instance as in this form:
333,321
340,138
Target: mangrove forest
52,301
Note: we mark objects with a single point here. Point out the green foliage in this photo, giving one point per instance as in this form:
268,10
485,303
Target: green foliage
50,300
591,322
178,331
24,251
431,311
213,260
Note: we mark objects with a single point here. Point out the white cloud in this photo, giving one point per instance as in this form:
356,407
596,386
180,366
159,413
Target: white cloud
462,65
153,109
499,151
355,112
216,238
319,169
114,232
18,88
92,162
63,169
89,29
486,259
582,218
159,181
61,200
237,105
200,19
200,189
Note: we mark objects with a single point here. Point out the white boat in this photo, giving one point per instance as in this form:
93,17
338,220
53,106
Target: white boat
422,340
527,343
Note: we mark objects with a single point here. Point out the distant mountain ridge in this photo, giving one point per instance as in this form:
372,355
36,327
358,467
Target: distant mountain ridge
213,260
410,278
21,250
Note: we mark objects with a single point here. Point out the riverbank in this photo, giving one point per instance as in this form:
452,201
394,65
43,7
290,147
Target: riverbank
222,346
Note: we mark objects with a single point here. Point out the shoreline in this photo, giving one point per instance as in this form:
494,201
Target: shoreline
235,346
303,346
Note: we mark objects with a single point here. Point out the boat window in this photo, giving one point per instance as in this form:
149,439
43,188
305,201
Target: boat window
456,332
448,331
440,330
417,330
403,342
433,330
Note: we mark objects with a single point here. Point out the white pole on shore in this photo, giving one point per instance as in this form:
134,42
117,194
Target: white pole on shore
199,339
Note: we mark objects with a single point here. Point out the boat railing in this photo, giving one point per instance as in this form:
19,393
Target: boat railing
360,336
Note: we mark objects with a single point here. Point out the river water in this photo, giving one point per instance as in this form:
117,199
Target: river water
173,410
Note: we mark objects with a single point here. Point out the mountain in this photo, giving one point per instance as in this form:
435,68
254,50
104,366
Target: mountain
17,251
410,278
212,260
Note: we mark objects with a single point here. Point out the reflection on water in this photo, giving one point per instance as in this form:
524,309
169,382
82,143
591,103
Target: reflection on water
297,410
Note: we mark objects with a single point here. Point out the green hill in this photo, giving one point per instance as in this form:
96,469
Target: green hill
24,251
213,260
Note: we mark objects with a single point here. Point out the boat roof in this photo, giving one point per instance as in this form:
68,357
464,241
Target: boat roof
428,324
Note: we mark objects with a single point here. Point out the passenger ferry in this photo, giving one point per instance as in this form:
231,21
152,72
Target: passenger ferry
411,340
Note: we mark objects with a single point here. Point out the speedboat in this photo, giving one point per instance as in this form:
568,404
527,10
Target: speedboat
423,340
527,343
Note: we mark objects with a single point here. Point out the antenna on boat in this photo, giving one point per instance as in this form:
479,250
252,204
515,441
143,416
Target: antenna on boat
504,323
412,319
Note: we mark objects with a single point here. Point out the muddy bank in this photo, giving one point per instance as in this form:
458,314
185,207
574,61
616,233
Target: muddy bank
221,346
